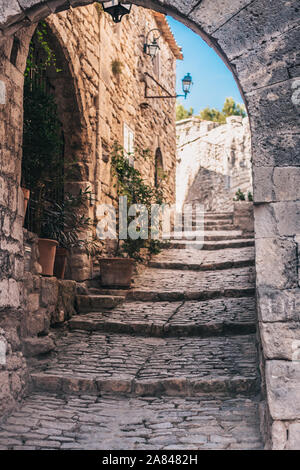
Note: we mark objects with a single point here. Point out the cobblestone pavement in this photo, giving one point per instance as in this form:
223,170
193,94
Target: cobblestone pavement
172,367
47,421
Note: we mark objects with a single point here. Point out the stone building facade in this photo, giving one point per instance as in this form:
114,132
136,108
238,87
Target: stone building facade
213,162
100,94
258,40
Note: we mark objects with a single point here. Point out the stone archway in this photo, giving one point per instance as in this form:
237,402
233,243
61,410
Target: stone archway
61,84
258,41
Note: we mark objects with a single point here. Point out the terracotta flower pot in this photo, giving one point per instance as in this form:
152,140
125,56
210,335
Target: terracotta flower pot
47,250
60,262
26,194
116,272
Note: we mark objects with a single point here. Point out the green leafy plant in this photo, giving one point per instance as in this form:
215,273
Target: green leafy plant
239,196
40,41
250,196
116,67
64,221
130,183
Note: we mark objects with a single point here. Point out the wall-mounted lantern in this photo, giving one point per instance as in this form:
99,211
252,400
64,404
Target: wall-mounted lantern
187,84
117,9
151,48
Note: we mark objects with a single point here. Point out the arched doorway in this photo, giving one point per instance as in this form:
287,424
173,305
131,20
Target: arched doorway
53,146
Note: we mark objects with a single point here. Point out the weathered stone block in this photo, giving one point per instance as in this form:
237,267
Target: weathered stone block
263,66
65,307
3,350
10,11
272,109
273,148
280,340
12,337
237,35
4,387
279,435
33,302
286,183
276,263
277,219
243,217
9,293
2,92
36,324
283,389
263,184
276,305
3,192
37,346
213,15
49,291
294,437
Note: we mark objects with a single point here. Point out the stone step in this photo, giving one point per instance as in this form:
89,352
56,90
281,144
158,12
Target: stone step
202,267
210,228
174,285
93,363
69,422
214,216
210,245
203,260
94,287
96,303
109,292
218,227
205,235
166,319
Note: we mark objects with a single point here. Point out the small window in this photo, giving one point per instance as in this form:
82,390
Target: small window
129,143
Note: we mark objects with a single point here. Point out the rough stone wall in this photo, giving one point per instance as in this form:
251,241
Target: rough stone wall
213,162
109,100
93,104
259,40
47,302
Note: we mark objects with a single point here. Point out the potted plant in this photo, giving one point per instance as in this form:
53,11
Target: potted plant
64,222
117,271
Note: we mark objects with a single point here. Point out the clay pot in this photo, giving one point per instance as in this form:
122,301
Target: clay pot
116,272
47,250
60,263
26,194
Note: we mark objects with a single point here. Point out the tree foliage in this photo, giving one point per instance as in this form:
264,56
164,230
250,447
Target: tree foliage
182,113
230,108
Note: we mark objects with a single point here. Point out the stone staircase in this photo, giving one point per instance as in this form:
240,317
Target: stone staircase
169,364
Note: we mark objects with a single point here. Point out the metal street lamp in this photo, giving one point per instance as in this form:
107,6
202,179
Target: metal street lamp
187,84
117,9
152,48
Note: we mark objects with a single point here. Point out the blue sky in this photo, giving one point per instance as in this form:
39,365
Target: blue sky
213,82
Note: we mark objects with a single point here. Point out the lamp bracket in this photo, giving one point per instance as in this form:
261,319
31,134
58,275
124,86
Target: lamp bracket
161,86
